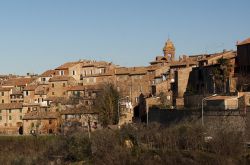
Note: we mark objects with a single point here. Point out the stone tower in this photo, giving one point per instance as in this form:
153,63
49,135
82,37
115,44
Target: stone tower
169,50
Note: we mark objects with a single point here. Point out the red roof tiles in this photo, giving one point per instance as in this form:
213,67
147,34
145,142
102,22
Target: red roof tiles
48,73
246,41
7,106
59,78
18,81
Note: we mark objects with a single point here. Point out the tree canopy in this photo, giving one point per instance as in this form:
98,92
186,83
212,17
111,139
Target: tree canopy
106,104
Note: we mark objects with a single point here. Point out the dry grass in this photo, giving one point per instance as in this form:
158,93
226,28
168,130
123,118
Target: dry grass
154,144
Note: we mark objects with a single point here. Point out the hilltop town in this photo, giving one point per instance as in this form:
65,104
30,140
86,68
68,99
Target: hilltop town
41,104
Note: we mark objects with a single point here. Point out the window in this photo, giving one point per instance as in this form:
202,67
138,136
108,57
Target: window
61,72
0,117
64,93
9,110
20,110
64,84
74,72
43,79
136,99
53,93
50,121
27,93
53,85
10,118
21,117
140,88
2,93
2,101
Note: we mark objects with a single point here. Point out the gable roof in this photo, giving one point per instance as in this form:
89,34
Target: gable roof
4,89
30,88
60,78
16,91
67,65
44,115
246,41
8,106
20,81
48,73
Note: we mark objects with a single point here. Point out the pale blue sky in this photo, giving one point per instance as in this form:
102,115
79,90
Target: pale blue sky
39,35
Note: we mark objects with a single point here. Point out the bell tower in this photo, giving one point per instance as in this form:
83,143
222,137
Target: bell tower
169,50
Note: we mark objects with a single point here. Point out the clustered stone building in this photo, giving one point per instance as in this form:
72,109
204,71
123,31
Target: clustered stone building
42,102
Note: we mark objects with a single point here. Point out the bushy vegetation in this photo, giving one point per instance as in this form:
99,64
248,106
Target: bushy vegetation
186,143
107,105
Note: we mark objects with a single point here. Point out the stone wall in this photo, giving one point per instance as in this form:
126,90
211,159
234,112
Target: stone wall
213,120
193,101
182,77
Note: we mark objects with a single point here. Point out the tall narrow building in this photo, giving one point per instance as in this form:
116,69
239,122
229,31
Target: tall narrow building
169,51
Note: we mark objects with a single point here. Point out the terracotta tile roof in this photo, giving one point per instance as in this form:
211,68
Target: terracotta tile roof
138,71
5,89
153,67
68,65
18,81
108,73
37,105
182,63
82,88
34,115
98,64
42,90
131,70
70,111
226,55
16,91
122,71
30,88
7,106
60,78
246,41
48,73
56,99
157,62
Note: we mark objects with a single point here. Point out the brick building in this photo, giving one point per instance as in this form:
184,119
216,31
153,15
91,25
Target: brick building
11,118
242,68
